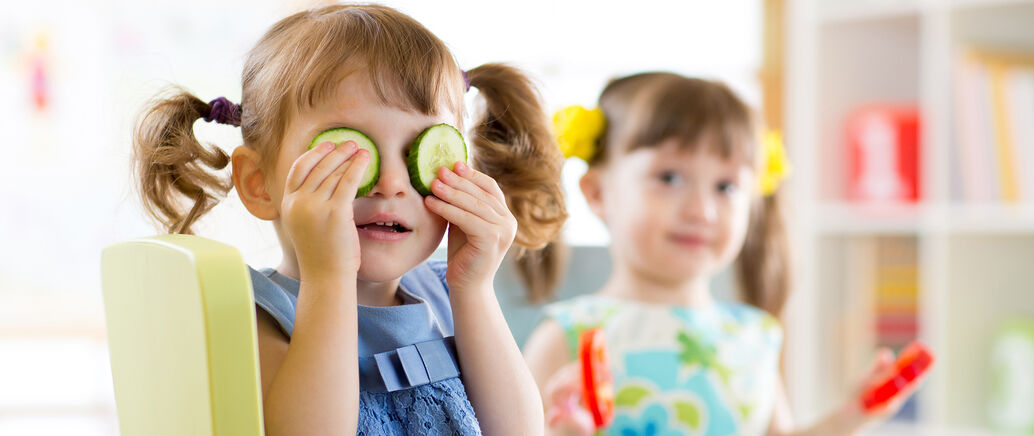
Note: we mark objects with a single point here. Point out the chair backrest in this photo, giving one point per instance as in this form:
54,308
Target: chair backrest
181,330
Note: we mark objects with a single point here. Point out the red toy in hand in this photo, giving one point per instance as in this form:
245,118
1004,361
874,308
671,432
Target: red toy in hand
913,361
597,381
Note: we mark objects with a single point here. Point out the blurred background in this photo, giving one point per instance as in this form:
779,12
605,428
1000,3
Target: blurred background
910,125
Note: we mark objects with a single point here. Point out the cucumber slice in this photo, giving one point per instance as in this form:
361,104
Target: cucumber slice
438,146
341,135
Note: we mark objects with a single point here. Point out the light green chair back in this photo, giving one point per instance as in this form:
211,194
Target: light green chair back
181,330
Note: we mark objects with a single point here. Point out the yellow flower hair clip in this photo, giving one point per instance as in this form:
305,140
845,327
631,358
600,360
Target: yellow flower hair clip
775,167
577,129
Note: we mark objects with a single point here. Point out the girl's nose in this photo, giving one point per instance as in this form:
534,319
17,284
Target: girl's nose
700,206
394,178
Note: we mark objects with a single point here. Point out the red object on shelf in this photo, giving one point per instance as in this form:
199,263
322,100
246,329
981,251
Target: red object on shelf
887,325
39,85
883,154
597,381
913,361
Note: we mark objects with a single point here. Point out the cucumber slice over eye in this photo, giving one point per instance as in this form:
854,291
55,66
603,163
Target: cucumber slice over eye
438,146
342,135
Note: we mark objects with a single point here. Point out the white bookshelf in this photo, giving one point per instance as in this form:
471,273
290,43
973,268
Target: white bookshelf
975,261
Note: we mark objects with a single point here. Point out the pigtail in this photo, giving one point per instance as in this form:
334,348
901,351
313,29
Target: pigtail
763,267
542,270
178,178
513,144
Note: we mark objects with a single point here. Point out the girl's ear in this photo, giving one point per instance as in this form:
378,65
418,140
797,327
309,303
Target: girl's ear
593,191
250,182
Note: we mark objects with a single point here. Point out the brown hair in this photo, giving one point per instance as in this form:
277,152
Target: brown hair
297,64
644,110
513,133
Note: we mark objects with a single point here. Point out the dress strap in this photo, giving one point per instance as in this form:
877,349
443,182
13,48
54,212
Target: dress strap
410,366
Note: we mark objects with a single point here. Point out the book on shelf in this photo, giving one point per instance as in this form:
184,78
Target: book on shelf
883,154
897,291
880,305
994,126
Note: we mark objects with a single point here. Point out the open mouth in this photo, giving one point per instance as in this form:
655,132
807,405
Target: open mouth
388,227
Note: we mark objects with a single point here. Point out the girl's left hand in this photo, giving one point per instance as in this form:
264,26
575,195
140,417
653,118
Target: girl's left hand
481,227
883,366
565,414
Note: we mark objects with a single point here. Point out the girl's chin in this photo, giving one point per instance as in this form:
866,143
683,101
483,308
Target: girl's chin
679,269
379,265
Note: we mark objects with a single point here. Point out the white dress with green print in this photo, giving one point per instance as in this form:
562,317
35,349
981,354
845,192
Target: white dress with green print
682,370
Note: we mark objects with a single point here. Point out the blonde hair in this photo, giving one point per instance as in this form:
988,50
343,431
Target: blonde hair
297,64
644,110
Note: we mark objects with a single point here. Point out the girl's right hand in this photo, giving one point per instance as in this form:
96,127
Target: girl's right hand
852,417
565,413
317,210
884,366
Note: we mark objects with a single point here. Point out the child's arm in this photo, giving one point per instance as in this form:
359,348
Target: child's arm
850,418
481,230
312,386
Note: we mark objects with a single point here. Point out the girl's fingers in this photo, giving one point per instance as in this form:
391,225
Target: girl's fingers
480,179
564,393
564,383
325,175
485,199
348,185
882,365
466,221
328,165
464,200
303,165
571,417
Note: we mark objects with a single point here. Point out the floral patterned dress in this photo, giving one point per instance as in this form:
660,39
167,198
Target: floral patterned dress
682,370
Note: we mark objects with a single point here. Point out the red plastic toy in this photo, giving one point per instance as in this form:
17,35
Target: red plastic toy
597,381
913,361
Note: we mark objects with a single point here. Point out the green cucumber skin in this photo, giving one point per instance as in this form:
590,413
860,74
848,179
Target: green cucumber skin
412,159
375,158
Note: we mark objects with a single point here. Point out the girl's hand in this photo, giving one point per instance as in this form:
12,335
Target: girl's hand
883,366
565,413
481,227
317,210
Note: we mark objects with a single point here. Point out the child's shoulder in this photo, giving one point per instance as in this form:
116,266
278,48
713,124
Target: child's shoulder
427,277
746,313
277,295
747,318
438,267
583,312
580,307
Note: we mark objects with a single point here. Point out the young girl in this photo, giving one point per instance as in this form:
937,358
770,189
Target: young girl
673,173
355,327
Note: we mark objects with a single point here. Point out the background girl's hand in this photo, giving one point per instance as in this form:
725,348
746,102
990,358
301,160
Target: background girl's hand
883,366
565,413
317,209
481,227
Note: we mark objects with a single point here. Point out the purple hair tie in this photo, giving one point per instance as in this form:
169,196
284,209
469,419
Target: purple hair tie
224,112
466,81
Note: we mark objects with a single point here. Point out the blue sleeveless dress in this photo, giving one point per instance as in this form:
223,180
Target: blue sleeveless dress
408,371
